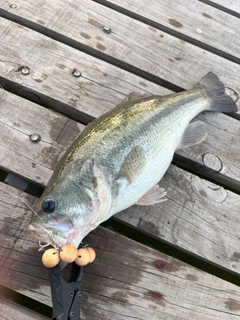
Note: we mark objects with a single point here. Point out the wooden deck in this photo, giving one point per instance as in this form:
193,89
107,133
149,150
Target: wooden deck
156,47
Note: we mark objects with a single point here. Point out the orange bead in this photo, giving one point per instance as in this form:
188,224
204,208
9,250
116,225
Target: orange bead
51,258
68,253
92,254
83,257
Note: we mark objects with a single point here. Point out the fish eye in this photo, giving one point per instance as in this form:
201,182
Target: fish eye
49,205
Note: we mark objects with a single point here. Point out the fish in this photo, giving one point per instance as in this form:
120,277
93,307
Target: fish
119,159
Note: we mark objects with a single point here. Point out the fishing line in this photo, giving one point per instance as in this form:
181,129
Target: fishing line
48,231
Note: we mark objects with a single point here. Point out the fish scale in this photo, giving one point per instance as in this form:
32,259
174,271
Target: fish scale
120,157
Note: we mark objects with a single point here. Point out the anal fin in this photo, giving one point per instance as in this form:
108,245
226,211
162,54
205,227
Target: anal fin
154,195
195,133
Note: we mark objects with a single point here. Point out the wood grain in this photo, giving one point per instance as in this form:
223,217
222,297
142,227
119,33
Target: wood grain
199,216
12,311
220,149
203,23
19,120
131,41
100,87
96,96
181,43
126,281
228,4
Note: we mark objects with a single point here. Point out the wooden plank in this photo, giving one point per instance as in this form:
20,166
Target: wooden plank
221,148
196,217
100,94
194,19
121,309
12,311
100,87
180,62
126,281
228,4
18,153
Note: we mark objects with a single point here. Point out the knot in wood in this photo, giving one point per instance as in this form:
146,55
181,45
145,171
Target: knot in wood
212,161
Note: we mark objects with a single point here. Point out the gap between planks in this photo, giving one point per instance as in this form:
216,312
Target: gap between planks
91,51
10,310
126,280
99,91
196,216
230,7
182,160
123,8
108,43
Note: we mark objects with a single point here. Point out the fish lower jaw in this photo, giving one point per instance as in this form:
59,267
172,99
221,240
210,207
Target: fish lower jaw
45,237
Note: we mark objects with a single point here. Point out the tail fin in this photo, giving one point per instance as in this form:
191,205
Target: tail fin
215,90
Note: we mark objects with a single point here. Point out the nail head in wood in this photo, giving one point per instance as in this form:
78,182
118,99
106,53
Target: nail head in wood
107,29
76,73
25,70
35,137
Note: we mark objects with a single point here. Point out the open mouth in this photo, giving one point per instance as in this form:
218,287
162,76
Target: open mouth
56,233
51,236
40,234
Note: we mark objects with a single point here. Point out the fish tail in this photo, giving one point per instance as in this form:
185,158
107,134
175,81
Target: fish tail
215,90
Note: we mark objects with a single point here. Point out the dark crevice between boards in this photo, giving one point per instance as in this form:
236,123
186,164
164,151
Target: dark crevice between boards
89,50
168,30
37,307
56,105
220,7
20,183
145,238
185,164
206,173
45,101
76,115
166,247
182,162
131,232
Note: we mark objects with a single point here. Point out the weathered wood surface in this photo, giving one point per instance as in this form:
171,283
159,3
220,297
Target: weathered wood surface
126,281
199,216
94,96
160,54
18,153
12,311
202,22
228,4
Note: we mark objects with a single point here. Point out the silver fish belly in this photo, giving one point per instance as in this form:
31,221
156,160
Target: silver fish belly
120,157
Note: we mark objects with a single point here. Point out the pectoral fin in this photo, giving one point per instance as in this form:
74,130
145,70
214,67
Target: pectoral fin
154,195
133,165
195,133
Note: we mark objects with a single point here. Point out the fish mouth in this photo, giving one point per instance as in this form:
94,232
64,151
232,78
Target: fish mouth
46,235
39,233
56,232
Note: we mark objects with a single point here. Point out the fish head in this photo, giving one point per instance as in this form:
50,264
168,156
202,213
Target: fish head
76,203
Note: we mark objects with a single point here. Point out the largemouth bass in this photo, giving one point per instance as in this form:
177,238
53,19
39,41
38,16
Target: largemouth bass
119,159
